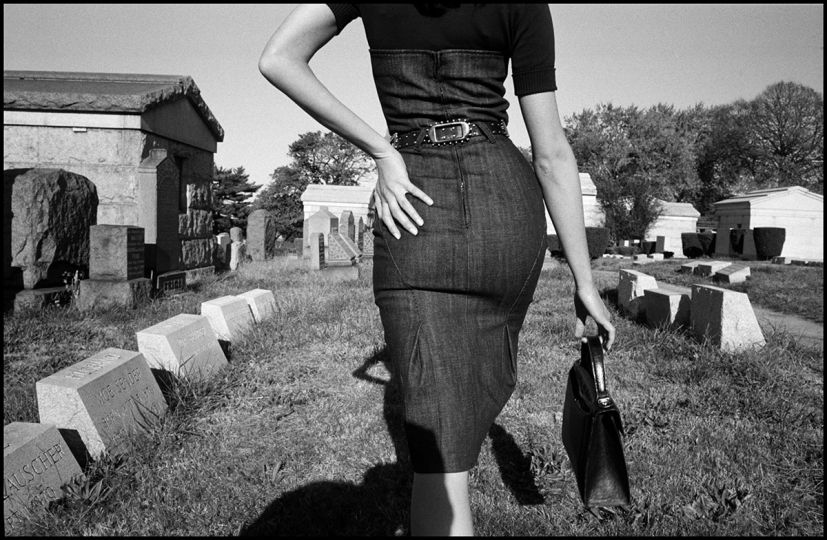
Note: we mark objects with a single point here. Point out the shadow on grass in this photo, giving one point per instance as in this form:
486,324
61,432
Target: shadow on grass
379,505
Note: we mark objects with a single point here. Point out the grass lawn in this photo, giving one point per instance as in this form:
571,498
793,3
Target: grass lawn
301,434
795,290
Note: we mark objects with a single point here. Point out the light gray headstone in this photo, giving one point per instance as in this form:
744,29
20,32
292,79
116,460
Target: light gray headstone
641,258
630,291
709,268
236,234
261,235
229,316
116,252
736,273
666,307
660,243
36,464
725,318
689,268
262,303
184,345
237,252
106,398
655,256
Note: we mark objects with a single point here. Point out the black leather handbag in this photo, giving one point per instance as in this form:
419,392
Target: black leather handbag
593,432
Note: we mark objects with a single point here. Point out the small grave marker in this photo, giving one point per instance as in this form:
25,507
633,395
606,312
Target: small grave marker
710,268
666,307
736,273
106,398
184,345
229,316
724,317
630,291
262,303
36,465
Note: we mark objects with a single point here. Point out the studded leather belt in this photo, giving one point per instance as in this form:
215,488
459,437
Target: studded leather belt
451,132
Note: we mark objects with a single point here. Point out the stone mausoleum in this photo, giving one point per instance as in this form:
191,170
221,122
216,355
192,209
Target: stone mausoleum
146,141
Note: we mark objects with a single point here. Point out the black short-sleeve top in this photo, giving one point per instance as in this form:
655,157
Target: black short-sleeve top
522,32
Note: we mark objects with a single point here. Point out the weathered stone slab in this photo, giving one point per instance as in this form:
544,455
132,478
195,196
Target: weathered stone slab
37,298
106,398
49,215
36,465
367,244
261,235
630,291
317,261
641,258
102,294
116,252
341,248
184,345
709,268
689,268
735,273
655,256
660,244
236,234
229,316
347,226
725,318
222,251
172,282
237,253
780,260
666,307
360,234
262,303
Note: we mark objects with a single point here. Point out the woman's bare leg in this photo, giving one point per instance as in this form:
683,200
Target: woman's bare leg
440,505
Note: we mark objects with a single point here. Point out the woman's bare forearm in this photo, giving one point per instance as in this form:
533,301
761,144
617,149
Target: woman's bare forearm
560,182
285,64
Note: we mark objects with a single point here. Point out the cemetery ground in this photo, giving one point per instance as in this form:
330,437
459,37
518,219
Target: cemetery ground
301,433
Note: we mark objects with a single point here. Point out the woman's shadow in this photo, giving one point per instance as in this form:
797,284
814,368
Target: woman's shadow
380,505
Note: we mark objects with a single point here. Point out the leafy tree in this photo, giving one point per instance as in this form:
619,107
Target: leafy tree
316,159
231,190
786,129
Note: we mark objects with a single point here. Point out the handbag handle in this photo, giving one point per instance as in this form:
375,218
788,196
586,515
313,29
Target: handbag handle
592,350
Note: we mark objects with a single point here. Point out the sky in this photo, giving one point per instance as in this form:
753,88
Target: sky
624,54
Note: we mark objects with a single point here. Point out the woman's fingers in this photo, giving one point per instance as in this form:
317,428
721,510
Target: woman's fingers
421,195
400,216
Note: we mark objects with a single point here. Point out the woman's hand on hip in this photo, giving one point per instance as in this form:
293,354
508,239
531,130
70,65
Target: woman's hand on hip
392,186
587,302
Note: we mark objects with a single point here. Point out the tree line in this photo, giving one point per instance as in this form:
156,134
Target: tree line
698,155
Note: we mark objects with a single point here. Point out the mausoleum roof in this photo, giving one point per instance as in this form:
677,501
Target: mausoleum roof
678,209
324,193
102,93
762,195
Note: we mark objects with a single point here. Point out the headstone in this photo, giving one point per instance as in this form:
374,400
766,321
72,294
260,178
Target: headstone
689,268
625,243
655,256
222,256
660,244
710,268
630,292
323,222
666,307
229,316
47,215
735,273
237,254
367,243
37,463
158,186
780,260
347,226
116,252
262,303
341,249
106,398
360,234
184,345
641,258
261,235
725,318
236,234
104,293
171,282
317,261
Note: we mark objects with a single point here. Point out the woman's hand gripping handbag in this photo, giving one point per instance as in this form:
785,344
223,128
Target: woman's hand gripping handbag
593,432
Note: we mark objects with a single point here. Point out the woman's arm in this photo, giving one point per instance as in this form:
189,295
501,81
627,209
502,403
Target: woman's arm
556,169
284,63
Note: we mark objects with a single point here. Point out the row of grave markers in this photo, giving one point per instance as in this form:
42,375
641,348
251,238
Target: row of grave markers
723,317
106,398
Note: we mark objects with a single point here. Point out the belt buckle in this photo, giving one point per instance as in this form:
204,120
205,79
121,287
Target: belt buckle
457,131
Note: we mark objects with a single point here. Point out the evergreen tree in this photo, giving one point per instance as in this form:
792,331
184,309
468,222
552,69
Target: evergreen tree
232,190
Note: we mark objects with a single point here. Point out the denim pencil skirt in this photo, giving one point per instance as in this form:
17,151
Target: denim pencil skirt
453,298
